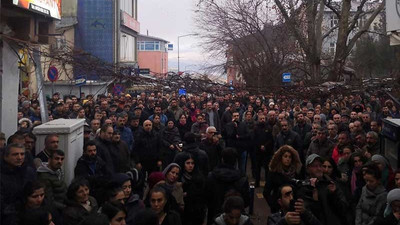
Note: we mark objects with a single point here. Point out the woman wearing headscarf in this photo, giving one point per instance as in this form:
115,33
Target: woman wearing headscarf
387,179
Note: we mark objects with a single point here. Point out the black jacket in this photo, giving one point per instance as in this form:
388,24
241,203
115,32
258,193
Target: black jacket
307,218
221,180
238,136
195,199
290,138
263,136
146,150
12,182
199,155
213,151
91,168
103,151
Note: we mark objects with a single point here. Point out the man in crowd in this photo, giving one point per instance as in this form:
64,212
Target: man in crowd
213,146
212,117
52,175
125,132
292,210
321,145
103,146
288,137
50,144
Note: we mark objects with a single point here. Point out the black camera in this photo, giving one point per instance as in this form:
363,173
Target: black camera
300,182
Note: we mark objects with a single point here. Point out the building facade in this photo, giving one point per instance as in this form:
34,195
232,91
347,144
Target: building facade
153,54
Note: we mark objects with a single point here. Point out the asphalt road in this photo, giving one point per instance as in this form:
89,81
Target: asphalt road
261,208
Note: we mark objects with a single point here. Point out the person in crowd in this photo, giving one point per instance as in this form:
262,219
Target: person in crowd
171,142
190,146
397,178
199,127
391,214
173,187
120,153
79,203
233,213
321,145
373,196
387,177
238,137
125,132
146,151
285,166
327,201
301,127
288,137
211,116
223,180
175,109
158,127
52,175
50,144
183,125
194,191
134,125
332,133
115,212
212,145
14,176
159,204
104,146
158,111
343,140
292,211
373,145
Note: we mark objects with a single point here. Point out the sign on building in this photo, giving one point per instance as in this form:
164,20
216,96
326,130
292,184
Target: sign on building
49,7
170,47
393,21
286,77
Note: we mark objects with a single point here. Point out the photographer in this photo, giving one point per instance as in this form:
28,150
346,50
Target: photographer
292,211
322,197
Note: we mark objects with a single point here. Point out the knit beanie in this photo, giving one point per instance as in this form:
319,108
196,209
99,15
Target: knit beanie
393,195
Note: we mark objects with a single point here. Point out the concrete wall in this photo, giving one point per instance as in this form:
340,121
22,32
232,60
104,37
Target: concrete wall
71,89
69,7
9,73
156,61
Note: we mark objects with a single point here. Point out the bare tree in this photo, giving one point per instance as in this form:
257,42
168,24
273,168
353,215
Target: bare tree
243,31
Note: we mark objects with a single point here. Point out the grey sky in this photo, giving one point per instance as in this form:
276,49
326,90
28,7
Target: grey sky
169,19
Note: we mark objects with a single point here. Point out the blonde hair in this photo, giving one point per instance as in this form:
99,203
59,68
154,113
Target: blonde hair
276,162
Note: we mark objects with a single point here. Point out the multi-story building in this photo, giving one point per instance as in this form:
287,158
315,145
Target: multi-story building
25,27
108,30
153,54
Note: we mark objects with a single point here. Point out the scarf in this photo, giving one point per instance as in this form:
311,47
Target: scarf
289,173
187,176
353,181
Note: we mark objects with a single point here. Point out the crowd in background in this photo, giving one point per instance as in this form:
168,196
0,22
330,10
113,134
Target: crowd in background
166,159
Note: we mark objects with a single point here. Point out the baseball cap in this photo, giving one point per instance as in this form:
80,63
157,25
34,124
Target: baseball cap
310,159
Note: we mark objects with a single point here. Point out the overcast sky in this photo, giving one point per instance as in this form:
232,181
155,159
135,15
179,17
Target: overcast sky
168,19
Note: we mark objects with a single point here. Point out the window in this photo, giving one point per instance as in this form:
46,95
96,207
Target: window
332,48
127,48
333,21
127,6
149,46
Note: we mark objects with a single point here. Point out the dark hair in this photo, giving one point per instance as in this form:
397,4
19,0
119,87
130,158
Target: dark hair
233,202
88,143
189,137
49,136
335,171
31,135
372,169
8,148
74,187
396,172
146,217
112,190
31,187
38,216
14,137
111,209
281,187
105,127
229,156
56,152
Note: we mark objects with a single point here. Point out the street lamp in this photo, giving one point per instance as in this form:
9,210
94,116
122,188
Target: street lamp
194,34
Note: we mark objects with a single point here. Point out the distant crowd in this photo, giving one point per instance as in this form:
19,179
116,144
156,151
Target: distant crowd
166,159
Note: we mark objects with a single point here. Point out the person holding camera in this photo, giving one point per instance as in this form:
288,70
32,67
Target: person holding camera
292,211
322,196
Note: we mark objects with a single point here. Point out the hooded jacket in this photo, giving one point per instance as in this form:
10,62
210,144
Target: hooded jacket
370,205
56,189
243,220
221,180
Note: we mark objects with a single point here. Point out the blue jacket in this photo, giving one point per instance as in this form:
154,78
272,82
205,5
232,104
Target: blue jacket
126,135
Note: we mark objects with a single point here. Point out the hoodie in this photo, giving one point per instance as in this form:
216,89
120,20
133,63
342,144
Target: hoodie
243,220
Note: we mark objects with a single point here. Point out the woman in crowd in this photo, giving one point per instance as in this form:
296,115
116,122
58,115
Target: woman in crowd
284,166
37,216
115,212
183,125
194,191
387,178
171,141
159,204
158,127
79,204
173,187
373,196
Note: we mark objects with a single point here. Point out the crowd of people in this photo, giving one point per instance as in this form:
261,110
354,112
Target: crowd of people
166,159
